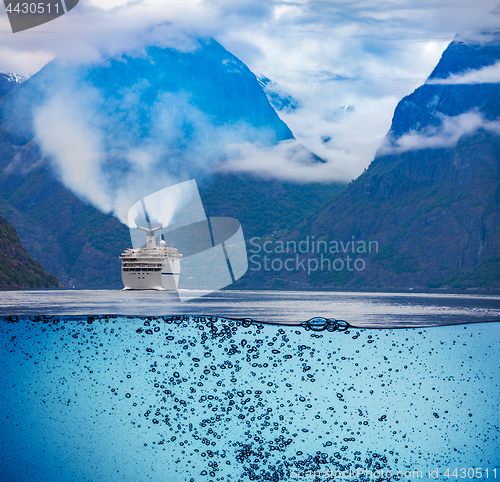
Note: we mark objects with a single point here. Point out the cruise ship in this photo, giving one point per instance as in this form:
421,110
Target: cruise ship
153,267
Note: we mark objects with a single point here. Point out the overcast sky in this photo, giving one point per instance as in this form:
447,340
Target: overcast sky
347,63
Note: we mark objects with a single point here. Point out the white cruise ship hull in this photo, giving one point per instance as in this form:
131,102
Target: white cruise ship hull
162,276
150,281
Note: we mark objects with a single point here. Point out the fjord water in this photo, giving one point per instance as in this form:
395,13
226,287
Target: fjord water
361,309
192,398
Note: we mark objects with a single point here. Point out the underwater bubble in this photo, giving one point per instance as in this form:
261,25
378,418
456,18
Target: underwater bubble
252,411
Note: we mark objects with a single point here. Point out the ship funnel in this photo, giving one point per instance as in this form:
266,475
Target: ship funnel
151,241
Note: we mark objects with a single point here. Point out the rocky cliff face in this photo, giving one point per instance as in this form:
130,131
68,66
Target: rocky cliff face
431,197
17,268
435,214
436,210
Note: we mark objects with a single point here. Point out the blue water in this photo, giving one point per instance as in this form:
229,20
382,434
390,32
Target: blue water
209,399
363,309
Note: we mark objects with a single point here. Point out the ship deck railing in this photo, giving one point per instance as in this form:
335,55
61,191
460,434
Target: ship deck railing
134,269
143,258
142,265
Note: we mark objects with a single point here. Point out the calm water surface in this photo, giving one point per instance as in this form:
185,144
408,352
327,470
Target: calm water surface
358,309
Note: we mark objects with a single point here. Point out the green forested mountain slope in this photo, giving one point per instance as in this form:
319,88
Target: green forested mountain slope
17,268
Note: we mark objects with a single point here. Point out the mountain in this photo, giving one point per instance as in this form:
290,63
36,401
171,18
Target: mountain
430,201
73,240
279,100
8,81
129,95
265,208
17,268
79,142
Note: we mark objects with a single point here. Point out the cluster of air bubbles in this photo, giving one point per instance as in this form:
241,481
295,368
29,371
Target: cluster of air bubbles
322,324
237,399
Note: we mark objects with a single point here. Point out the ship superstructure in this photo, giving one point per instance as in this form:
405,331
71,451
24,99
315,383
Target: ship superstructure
153,267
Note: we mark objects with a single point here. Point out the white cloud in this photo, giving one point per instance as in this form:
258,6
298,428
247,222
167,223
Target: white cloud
288,160
486,75
444,135
481,29
361,54
346,136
